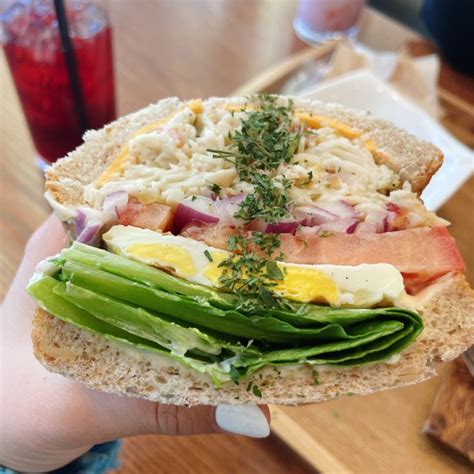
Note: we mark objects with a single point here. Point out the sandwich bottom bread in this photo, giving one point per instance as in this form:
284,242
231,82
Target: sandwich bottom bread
257,249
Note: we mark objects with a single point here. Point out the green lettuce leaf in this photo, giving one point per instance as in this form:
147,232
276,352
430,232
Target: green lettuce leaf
201,313
208,330
139,272
44,290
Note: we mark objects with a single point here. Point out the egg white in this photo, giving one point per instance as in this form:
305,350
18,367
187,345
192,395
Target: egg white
337,285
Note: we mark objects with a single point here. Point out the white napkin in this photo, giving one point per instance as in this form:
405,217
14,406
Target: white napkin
416,78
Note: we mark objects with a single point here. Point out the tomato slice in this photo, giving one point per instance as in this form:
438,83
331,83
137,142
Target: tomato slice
421,255
152,216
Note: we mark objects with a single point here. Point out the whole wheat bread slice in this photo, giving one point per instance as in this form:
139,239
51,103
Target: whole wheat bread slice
447,307
119,368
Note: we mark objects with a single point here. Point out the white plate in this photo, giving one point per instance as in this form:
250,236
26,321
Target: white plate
364,91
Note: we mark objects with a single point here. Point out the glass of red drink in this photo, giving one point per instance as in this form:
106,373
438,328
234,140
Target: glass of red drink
34,52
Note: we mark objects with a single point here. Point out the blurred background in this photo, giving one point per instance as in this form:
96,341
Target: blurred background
409,60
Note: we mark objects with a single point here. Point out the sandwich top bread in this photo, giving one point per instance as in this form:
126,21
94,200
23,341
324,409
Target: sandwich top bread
243,249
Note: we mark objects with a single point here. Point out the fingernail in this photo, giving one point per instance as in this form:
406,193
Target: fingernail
247,420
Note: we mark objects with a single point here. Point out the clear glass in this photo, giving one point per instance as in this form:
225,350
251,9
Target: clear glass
33,48
317,21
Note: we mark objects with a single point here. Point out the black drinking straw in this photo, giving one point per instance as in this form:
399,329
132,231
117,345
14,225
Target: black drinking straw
71,65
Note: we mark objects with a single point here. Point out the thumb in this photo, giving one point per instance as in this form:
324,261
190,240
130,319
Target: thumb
116,416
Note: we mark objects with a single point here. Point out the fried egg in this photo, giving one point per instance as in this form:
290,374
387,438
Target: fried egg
336,285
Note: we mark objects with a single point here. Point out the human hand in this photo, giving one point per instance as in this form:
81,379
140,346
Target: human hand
49,420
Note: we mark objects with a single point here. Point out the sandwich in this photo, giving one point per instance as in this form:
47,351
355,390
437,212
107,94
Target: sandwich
249,249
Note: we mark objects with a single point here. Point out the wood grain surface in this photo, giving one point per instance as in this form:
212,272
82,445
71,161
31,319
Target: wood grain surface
193,48
210,454
452,416
377,433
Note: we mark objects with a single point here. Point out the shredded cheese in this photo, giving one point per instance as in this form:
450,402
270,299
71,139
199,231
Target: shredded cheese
169,160
116,167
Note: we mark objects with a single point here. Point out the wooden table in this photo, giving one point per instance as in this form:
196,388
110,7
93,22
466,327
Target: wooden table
198,48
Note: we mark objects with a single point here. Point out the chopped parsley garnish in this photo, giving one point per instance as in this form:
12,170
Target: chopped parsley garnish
269,202
315,375
273,271
310,178
267,243
216,189
246,273
256,391
208,255
263,143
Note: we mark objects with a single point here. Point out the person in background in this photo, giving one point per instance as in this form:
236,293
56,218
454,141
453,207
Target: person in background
450,25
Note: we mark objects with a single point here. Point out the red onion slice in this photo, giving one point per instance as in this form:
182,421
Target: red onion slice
201,209
318,215
339,226
313,215
256,225
80,221
227,207
346,226
89,233
352,227
236,199
288,227
115,203
343,210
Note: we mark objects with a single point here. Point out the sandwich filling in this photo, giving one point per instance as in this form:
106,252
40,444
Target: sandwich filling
249,235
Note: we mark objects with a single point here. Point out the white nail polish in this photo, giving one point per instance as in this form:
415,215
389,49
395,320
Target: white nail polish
247,420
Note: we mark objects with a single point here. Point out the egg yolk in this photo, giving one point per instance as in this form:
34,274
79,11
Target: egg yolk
299,284
212,270
306,285
165,255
